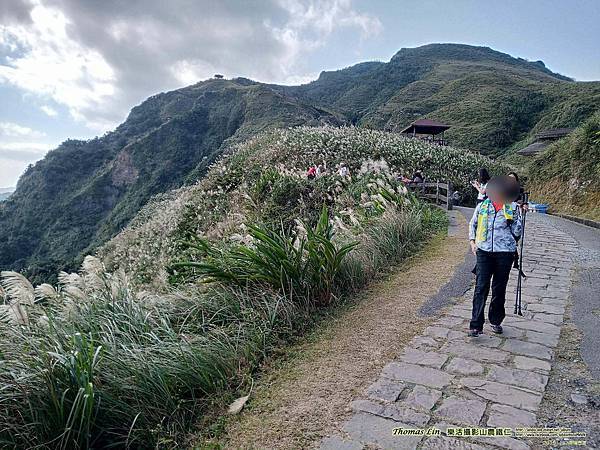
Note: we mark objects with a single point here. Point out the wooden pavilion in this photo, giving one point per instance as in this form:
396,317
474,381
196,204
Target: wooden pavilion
428,130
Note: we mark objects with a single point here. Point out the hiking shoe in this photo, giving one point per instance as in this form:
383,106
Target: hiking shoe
497,329
474,333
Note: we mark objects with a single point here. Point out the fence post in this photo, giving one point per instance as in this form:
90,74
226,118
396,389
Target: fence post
437,192
449,196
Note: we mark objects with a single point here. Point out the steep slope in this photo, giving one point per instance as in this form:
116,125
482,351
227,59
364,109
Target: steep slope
83,193
567,174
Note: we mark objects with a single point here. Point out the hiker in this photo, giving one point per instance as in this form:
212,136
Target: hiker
493,233
311,173
320,170
343,171
417,177
480,184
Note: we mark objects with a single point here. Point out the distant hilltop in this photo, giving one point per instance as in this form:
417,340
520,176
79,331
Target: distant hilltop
85,192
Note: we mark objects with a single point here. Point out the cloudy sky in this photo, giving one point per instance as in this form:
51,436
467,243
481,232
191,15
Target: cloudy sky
74,68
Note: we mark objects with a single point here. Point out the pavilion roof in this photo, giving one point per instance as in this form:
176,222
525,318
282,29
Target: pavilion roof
425,126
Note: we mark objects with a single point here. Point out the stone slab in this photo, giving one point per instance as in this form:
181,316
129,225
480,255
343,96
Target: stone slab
394,411
386,390
412,373
518,377
508,416
503,393
423,358
475,352
527,348
549,340
457,409
526,363
463,366
369,429
422,397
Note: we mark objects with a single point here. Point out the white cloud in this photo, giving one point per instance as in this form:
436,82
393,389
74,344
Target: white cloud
49,110
9,129
101,58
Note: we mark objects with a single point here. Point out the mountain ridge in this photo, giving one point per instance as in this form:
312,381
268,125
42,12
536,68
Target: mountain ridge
84,192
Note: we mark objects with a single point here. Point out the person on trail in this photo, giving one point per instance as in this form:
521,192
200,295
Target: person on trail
312,172
418,177
493,233
343,170
481,183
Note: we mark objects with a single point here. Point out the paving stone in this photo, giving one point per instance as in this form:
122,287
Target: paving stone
512,332
412,373
370,429
422,397
503,393
518,377
489,340
424,342
338,443
549,318
432,359
437,332
507,416
386,390
450,321
394,411
548,309
448,443
526,363
527,348
463,366
536,325
549,340
476,352
461,410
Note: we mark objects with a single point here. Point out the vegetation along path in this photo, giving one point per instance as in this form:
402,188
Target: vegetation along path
309,395
444,379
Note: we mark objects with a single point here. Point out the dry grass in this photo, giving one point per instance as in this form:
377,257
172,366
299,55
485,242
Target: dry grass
307,395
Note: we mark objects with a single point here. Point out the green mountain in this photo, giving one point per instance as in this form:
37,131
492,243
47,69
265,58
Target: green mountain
491,99
85,192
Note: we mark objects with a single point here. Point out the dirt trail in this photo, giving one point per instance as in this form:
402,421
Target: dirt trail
309,394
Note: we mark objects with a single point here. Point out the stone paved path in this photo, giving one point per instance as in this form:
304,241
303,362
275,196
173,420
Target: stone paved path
445,379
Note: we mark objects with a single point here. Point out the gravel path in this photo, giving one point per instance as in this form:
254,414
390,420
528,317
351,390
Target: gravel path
444,379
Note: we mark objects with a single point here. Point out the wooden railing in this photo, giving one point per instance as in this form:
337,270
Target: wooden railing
433,192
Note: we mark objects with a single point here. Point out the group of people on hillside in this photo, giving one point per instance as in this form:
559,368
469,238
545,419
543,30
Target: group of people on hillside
494,231
316,171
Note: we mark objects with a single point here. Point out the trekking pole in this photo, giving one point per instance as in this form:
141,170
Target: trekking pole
518,299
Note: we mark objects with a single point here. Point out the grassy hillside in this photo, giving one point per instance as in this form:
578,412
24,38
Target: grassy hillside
491,99
567,174
84,192
276,162
206,283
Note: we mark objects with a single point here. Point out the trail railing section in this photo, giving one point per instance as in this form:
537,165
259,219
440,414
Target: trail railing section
436,192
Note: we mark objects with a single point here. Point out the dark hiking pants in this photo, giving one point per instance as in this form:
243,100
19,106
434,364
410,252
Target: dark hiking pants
494,268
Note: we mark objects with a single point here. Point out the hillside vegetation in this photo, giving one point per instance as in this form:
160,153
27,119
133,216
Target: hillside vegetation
84,192
205,283
567,174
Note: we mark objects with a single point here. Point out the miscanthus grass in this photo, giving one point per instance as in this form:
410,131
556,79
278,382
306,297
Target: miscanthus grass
182,307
